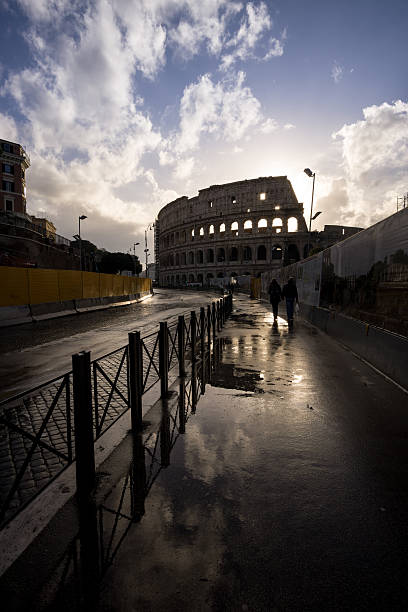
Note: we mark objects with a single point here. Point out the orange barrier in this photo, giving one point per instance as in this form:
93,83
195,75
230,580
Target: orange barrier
36,286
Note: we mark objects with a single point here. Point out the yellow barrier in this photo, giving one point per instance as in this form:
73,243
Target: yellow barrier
36,286
256,288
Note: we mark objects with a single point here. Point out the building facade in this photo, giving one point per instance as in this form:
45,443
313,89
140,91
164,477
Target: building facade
14,163
227,230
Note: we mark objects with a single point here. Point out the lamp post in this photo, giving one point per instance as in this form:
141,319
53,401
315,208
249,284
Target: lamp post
146,250
134,255
310,174
80,218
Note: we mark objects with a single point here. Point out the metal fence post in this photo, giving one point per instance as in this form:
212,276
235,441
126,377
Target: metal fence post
193,332
181,345
202,330
165,444
222,312
182,406
214,318
164,360
84,438
136,381
218,316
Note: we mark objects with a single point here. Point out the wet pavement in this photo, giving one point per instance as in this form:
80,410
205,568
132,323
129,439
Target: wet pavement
36,352
285,488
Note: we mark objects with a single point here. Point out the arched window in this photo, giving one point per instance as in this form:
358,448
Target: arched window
233,254
177,237
177,279
183,236
200,278
201,231
183,279
248,225
277,222
262,196
191,278
183,259
234,226
276,251
247,253
177,259
211,231
220,275
192,234
210,256
191,257
220,254
262,223
210,275
222,227
292,224
171,258
261,255
293,253
199,257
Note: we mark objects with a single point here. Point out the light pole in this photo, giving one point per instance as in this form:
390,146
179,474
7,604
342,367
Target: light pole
310,174
80,218
134,254
146,250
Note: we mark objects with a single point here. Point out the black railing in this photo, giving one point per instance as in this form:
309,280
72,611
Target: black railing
43,430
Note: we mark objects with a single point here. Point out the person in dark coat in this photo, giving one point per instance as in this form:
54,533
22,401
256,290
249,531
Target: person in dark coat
290,294
275,295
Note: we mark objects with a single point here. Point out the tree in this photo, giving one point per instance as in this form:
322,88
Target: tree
114,263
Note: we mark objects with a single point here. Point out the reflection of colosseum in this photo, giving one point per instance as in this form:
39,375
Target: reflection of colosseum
230,230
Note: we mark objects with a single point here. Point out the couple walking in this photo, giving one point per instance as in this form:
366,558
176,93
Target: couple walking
289,292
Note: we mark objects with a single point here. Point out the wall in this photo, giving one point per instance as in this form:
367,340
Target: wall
35,286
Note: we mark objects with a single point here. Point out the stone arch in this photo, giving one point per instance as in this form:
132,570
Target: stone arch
177,279
261,253
293,253
210,275
247,254
177,259
171,259
276,251
201,231
191,278
191,257
199,257
248,225
200,278
220,254
277,222
183,259
233,254
210,256
183,236
292,224
211,230
222,228
220,275
192,234
183,279
233,274
262,224
234,226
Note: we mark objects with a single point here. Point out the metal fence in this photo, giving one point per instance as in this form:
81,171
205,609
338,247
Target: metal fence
46,429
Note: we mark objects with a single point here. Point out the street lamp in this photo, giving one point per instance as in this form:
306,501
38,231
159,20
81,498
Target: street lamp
134,254
146,250
80,218
310,174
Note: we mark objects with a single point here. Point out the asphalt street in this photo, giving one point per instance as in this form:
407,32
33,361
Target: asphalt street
36,352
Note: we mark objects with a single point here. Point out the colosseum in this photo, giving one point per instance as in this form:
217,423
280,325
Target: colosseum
240,228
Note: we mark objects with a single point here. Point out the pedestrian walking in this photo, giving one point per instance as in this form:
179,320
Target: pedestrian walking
275,296
290,294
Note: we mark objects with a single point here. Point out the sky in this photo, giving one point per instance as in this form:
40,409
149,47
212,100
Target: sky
125,105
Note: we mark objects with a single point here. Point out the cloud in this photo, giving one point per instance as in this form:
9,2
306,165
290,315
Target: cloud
8,128
337,72
374,161
268,126
289,126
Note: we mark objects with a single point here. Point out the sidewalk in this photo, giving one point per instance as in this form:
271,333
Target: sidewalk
286,492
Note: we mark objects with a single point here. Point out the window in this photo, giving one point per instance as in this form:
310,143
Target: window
9,205
210,256
277,222
234,254
261,255
211,231
277,207
220,254
234,226
292,224
247,253
7,147
248,225
233,200
210,204
8,186
262,196
222,227
262,223
192,234
8,168
276,251
201,231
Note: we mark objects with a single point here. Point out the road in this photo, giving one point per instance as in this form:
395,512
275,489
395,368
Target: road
36,352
